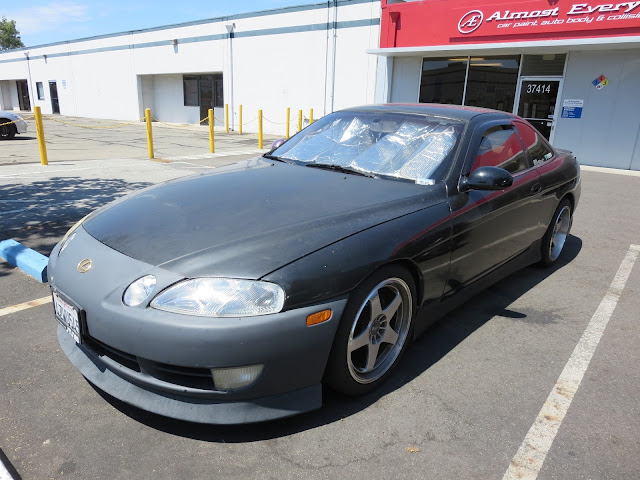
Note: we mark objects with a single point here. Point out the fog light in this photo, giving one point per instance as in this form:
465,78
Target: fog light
139,291
233,378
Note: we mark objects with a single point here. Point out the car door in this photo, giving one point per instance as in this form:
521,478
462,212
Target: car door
491,227
548,165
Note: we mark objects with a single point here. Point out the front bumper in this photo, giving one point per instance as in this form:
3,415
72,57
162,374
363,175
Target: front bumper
161,362
21,126
181,407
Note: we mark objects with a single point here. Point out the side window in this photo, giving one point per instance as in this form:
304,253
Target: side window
218,97
538,149
190,90
40,90
500,147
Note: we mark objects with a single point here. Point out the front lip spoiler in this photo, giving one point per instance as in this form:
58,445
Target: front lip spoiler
199,410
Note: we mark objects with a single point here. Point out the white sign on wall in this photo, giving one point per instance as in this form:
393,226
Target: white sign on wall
572,107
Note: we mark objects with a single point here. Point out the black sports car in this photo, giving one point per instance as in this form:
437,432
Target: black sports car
234,296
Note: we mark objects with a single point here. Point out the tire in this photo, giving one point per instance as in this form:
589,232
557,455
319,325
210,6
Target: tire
555,238
7,132
373,333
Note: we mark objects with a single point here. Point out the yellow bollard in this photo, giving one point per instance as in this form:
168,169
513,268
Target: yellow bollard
226,117
240,126
260,129
147,117
310,116
40,133
212,146
299,120
288,115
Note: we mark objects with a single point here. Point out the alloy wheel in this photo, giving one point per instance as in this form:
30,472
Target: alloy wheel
560,232
379,330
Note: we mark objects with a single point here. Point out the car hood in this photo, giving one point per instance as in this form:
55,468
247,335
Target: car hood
251,218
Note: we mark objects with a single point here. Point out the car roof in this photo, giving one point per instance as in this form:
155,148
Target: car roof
458,112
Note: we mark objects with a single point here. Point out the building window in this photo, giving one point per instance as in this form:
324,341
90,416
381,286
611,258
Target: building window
40,90
490,82
203,90
218,92
190,85
549,64
442,80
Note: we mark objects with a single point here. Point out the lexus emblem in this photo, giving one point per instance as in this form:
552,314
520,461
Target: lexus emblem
470,21
85,265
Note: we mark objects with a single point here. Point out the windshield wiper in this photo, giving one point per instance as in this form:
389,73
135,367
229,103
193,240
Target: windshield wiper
277,159
272,157
338,168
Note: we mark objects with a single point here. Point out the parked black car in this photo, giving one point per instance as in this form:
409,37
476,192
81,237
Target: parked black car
233,296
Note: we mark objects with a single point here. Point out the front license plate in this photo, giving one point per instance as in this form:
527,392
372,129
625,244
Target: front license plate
68,316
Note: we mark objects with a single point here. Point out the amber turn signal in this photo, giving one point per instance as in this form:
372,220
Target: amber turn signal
318,317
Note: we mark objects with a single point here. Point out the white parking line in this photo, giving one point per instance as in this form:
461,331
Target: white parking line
24,306
229,153
39,173
4,473
532,452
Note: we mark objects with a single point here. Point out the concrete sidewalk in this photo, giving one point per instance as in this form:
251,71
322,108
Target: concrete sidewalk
69,141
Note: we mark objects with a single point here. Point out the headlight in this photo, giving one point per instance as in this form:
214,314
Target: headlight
221,297
139,291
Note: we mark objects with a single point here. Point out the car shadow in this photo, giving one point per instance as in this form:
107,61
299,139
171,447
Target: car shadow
426,351
22,137
39,213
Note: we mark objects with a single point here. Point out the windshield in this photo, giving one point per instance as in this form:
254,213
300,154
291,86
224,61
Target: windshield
398,145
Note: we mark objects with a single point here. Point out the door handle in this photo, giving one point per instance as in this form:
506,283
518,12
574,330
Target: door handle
536,188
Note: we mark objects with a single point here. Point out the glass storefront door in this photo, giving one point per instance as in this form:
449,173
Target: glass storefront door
537,103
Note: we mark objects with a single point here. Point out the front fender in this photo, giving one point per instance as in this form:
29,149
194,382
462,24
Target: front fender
422,237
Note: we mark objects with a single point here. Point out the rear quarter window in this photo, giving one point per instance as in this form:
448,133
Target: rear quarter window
536,146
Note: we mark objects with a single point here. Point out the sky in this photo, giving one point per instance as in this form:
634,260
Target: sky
42,21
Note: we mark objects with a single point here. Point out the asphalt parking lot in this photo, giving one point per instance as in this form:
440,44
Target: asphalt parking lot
460,406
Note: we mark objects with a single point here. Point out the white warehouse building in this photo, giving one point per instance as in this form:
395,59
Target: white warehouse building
304,57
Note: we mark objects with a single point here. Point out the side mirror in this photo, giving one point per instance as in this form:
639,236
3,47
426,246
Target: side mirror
277,143
486,178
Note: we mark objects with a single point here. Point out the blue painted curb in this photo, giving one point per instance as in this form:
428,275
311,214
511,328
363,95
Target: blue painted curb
26,259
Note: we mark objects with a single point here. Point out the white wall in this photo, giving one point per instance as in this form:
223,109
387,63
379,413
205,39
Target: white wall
169,100
355,70
405,82
146,98
607,133
4,93
295,69
286,70
276,60
9,95
14,101
384,74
